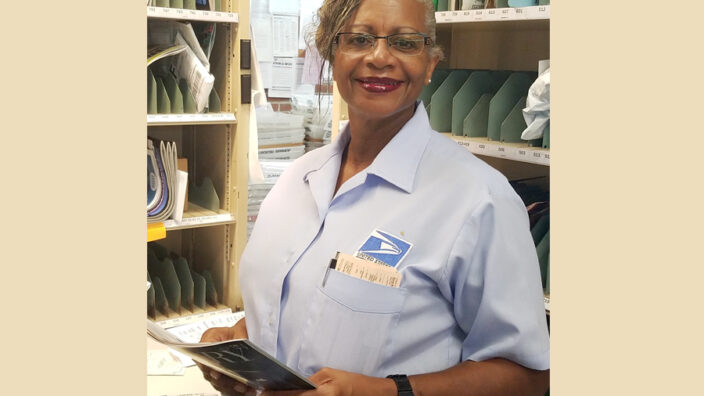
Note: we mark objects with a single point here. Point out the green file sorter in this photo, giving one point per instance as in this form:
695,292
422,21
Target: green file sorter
441,101
205,195
189,102
515,87
186,281
176,3
214,104
479,83
165,271
540,228
163,3
547,277
439,75
163,103
159,297
475,124
211,293
514,124
151,298
543,250
443,5
174,93
160,251
546,136
189,4
151,92
198,289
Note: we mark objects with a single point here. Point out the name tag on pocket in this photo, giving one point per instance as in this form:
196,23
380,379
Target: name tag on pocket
366,270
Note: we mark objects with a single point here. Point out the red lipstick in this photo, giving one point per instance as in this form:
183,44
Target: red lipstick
379,85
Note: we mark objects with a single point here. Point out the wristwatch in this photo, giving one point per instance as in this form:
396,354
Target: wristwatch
402,384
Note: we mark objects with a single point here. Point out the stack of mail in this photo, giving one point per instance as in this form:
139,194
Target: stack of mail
280,135
317,121
271,170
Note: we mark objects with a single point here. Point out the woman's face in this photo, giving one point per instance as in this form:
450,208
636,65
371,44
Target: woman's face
381,82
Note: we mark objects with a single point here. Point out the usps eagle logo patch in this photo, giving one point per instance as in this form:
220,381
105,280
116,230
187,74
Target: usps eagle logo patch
384,247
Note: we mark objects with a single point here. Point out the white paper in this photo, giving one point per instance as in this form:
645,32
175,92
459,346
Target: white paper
181,184
266,69
282,77
200,81
284,6
192,332
285,35
162,362
297,73
309,8
262,37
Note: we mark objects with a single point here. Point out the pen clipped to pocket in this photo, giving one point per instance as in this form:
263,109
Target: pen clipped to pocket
363,269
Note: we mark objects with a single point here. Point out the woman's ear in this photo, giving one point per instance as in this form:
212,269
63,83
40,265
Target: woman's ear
432,63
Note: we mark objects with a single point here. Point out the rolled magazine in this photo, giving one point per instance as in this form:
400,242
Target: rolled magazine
239,359
164,167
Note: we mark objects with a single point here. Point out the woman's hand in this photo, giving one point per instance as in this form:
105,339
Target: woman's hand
221,382
332,382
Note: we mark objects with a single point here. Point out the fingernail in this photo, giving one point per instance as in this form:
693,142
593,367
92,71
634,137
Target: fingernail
240,388
214,374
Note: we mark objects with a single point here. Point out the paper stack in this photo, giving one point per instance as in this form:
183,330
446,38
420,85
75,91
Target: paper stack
280,135
317,118
271,169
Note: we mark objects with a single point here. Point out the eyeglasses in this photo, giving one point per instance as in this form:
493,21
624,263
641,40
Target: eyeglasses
400,43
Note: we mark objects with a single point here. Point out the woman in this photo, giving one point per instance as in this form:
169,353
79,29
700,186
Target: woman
468,315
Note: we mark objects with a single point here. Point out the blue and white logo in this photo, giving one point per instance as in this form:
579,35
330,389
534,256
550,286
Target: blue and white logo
385,247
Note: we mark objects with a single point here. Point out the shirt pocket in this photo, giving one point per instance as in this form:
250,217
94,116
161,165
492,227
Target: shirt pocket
349,325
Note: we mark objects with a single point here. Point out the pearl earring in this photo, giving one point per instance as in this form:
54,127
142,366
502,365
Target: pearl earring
429,81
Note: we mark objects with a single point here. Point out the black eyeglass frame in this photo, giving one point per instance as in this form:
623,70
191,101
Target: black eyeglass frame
426,39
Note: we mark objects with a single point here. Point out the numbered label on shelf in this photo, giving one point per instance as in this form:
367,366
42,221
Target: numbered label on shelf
492,15
191,118
507,13
196,15
546,300
198,221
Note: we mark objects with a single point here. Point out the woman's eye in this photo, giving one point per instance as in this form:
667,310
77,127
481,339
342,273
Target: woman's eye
361,40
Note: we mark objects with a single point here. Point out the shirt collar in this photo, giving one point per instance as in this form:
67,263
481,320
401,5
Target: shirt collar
398,161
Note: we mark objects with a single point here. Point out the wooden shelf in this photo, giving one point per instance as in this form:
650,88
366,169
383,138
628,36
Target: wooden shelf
494,15
192,15
522,152
191,119
197,217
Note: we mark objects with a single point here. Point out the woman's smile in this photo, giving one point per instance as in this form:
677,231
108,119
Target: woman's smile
379,84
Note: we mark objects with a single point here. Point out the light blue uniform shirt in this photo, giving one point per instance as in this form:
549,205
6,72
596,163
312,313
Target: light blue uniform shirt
471,283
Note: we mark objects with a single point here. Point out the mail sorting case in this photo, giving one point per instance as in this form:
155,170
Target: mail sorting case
195,270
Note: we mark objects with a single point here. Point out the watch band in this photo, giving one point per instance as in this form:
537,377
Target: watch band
402,384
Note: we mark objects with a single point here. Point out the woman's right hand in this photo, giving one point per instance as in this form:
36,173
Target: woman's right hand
221,382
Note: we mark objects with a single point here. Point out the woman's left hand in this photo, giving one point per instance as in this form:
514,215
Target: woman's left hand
332,382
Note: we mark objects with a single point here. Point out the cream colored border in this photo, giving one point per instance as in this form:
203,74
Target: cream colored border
626,100
73,129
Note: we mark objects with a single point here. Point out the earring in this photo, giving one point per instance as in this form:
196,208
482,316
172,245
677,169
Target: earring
429,81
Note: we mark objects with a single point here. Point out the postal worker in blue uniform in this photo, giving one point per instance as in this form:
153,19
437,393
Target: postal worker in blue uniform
466,317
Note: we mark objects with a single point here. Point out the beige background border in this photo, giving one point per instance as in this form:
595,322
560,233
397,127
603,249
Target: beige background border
626,171
73,129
